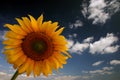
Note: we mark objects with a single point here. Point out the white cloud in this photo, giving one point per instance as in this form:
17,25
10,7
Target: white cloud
70,43
78,23
2,35
96,10
115,62
111,49
100,10
103,71
79,47
104,44
88,40
66,77
6,76
97,63
113,6
85,9
3,73
107,68
71,36
70,77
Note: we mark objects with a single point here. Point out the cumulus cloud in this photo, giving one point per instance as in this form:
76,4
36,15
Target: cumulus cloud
115,62
104,45
111,49
76,24
97,63
70,43
77,47
100,10
88,40
96,10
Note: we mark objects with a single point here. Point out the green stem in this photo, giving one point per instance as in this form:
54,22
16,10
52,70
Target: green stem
15,75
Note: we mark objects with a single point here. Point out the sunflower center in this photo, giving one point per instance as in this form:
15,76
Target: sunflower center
37,46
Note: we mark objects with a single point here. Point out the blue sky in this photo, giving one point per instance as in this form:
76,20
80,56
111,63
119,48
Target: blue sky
92,29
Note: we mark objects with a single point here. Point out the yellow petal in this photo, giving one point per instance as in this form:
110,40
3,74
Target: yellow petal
59,39
61,48
51,28
19,61
67,54
44,26
61,60
27,23
24,66
16,28
58,32
12,58
54,63
54,26
12,42
37,68
48,67
63,57
58,60
34,24
12,51
47,27
30,68
11,34
45,68
11,46
23,26
39,21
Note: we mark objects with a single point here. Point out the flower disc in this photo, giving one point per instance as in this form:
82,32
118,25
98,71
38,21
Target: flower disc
37,46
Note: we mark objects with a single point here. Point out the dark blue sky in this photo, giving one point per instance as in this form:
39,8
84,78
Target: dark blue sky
92,28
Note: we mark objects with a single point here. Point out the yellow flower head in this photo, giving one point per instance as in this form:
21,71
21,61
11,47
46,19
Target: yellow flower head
35,46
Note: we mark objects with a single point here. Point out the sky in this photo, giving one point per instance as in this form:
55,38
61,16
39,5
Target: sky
92,29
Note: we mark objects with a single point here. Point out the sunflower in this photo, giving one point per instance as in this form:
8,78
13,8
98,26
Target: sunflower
34,46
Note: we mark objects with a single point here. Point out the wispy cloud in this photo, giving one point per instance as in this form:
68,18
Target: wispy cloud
72,36
115,62
97,63
71,77
104,70
100,10
76,24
